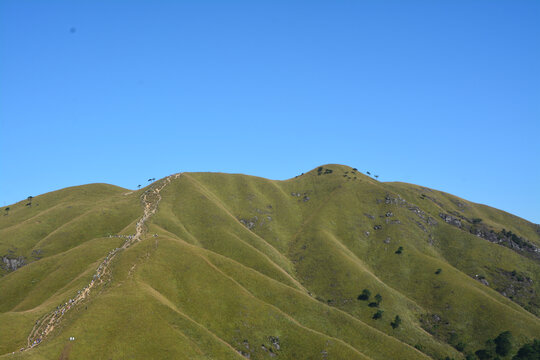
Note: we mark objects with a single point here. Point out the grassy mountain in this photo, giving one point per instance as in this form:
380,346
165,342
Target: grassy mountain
235,266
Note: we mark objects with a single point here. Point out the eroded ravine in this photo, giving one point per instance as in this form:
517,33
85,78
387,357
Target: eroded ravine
150,200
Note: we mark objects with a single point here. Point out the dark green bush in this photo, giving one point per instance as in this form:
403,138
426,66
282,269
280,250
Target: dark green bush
377,315
364,295
503,343
483,354
397,321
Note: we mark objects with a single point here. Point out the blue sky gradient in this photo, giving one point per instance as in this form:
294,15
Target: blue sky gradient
444,94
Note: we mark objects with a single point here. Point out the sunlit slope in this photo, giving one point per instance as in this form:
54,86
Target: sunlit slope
60,220
328,234
62,236
248,267
475,256
181,301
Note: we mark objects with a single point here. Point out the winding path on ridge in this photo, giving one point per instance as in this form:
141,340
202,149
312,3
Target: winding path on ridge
45,325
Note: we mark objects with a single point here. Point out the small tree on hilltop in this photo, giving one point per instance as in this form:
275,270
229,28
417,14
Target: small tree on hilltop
7,210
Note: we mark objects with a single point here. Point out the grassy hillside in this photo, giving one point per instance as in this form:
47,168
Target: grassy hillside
235,266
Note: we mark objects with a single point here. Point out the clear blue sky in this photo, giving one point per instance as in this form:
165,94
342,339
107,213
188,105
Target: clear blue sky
444,94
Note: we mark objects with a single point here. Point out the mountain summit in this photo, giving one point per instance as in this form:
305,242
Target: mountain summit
331,264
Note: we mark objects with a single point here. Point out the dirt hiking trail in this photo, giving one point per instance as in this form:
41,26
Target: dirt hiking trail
150,200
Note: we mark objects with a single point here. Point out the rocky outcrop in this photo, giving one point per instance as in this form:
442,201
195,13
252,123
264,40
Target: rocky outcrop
275,342
421,226
389,200
518,287
250,223
13,263
508,239
37,254
452,220
304,195
481,279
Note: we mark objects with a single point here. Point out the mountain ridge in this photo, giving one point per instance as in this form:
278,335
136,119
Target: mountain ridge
327,233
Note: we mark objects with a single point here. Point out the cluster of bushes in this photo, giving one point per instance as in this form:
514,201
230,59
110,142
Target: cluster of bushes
497,349
349,177
500,346
365,296
321,172
530,351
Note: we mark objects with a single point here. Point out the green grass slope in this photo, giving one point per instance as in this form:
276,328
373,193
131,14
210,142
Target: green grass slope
245,267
